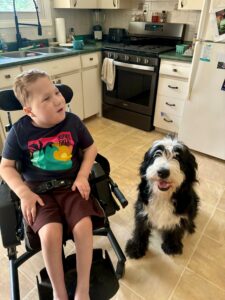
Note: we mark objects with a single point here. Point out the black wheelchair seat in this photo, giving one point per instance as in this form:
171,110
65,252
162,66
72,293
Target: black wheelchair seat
104,276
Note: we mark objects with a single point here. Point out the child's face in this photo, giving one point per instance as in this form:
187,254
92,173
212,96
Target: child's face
47,105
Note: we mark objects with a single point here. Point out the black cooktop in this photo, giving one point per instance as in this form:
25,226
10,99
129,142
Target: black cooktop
138,49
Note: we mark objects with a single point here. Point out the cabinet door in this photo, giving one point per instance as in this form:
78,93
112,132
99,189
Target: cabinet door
91,91
86,4
74,81
79,4
190,4
104,4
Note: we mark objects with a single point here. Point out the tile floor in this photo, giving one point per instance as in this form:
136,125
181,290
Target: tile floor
198,274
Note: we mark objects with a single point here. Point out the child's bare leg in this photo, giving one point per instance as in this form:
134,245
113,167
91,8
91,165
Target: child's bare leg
83,238
51,244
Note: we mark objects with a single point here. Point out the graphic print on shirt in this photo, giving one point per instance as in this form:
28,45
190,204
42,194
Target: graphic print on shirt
52,153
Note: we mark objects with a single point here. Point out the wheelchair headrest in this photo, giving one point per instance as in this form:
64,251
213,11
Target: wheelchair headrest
9,102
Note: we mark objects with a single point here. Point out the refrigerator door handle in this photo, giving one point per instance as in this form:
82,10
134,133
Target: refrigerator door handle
194,68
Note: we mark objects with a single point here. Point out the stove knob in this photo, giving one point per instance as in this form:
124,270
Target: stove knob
115,56
138,60
126,57
109,54
146,61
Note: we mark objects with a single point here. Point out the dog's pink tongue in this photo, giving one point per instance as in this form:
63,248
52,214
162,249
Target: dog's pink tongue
163,184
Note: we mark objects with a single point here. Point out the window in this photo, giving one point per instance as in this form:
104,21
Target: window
25,11
21,5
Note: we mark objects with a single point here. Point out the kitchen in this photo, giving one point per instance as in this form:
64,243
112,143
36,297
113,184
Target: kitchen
197,273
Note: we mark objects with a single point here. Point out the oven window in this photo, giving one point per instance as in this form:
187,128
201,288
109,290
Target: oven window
132,86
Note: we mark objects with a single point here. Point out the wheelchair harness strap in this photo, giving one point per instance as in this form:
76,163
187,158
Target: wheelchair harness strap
52,184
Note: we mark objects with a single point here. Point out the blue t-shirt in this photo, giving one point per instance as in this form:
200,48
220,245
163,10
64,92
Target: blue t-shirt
47,153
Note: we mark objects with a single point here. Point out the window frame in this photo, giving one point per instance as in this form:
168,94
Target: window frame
28,17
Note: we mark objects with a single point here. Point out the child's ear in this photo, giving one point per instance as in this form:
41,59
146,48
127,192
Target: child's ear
28,111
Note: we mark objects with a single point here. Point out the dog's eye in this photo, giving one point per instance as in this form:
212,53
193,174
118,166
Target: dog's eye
158,153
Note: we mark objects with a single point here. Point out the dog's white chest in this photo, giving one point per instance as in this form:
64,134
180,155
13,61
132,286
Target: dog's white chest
160,212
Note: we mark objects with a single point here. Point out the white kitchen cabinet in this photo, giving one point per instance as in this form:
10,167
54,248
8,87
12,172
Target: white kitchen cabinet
76,4
190,4
171,94
74,81
92,4
91,83
114,4
67,71
7,77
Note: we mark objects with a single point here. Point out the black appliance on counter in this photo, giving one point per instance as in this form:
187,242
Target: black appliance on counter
117,35
136,60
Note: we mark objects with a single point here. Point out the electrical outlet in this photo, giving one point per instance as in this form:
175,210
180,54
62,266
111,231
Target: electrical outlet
145,8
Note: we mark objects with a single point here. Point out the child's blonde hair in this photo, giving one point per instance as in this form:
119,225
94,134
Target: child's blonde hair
22,81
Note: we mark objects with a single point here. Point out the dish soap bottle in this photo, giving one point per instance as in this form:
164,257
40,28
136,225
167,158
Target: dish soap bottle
71,36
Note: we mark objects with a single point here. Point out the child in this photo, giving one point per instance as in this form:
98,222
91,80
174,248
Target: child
47,140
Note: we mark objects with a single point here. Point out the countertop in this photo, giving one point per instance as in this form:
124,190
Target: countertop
172,55
98,46
10,62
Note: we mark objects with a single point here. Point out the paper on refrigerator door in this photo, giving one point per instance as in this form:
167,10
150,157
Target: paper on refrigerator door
206,53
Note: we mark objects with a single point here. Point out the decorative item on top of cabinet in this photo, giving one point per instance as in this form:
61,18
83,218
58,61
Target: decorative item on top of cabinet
171,94
76,4
190,4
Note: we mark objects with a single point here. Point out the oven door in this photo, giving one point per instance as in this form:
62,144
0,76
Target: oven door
134,89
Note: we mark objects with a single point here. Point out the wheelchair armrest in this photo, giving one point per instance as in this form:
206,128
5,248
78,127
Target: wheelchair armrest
8,217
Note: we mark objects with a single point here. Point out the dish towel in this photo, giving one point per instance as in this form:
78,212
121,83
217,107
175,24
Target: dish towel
108,73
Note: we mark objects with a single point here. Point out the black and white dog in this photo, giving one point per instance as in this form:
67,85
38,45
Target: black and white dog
166,199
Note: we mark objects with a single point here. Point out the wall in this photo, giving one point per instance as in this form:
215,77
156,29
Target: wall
82,20
121,18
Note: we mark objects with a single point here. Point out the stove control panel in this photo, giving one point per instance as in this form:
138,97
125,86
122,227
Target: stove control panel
133,59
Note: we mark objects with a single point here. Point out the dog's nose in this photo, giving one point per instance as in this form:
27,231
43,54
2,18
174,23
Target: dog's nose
163,173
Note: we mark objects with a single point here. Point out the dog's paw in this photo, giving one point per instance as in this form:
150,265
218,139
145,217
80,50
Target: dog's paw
134,250
172,248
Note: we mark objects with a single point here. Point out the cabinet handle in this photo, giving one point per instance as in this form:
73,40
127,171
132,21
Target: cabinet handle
170,104
181,4
174,70
75,3
7,76
91,58
173,87
168,121
114,3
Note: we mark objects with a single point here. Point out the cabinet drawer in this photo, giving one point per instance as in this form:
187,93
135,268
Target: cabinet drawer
172,87
89,60
57,66
167,121
170,105
7,76
177,69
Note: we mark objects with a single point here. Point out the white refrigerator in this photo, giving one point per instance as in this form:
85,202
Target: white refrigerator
202,126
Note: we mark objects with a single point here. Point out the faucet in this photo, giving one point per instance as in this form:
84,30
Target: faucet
19,38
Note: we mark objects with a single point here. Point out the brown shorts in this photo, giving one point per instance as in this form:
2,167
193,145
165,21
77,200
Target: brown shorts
62,205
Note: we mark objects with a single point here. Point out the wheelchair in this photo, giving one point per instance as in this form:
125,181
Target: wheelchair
104,277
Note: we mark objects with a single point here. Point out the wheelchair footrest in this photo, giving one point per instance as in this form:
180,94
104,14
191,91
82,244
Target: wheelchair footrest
103,281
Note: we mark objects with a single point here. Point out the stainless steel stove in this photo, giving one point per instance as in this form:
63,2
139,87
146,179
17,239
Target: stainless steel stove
136,59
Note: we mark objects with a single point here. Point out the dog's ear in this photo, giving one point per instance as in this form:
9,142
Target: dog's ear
147,160
192,166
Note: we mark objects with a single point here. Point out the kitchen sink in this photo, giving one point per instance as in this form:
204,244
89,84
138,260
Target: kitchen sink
20,54
52,50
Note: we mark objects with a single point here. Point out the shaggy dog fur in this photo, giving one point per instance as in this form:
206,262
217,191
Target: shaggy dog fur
166,199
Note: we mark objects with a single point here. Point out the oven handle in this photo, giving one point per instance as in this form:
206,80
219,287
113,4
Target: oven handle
133,66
